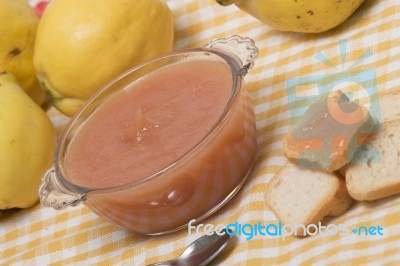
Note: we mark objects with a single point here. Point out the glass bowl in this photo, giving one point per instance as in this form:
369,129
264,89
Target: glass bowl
151,197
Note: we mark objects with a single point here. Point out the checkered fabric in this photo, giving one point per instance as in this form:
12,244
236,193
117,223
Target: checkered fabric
76,236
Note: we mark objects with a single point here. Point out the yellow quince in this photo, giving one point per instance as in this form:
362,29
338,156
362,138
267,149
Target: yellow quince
27,141
81,45
311,16
18,25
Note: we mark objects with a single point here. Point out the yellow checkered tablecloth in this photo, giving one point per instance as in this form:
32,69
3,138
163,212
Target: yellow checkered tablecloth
76,236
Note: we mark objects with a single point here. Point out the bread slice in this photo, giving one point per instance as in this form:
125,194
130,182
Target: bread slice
375,172
305,196
389,106
328,134
342,201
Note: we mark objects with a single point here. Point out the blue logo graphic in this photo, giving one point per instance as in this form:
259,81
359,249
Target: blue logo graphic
358,86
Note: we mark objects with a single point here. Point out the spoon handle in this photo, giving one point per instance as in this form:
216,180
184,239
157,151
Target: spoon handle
201,251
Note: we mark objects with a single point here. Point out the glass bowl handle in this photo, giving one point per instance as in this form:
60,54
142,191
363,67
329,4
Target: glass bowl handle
53,194
243,47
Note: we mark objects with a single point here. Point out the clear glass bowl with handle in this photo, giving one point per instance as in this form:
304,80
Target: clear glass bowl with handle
170,187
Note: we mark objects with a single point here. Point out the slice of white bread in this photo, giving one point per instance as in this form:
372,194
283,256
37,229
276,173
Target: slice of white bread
342,201
305,196
376,175
389,106
329,133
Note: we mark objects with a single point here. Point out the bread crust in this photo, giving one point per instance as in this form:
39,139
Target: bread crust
306,144
334,202
372,181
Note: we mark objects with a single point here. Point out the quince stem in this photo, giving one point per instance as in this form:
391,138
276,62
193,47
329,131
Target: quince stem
226,2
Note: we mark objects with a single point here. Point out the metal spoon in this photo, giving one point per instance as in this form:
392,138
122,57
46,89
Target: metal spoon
201,251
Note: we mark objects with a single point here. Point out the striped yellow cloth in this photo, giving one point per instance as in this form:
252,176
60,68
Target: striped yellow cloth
369,40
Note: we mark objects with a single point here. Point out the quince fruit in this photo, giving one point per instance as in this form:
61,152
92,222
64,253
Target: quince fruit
81,45
27,141
310,16
18,25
